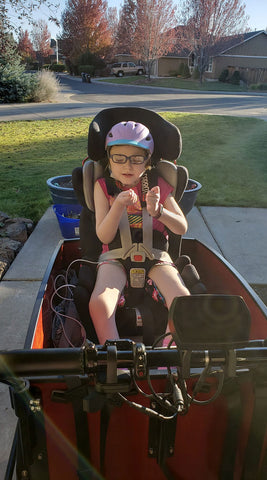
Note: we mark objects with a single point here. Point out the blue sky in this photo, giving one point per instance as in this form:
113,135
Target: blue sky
255,9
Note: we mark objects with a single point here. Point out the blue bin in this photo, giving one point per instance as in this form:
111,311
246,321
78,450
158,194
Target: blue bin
189,196
61,190
70,227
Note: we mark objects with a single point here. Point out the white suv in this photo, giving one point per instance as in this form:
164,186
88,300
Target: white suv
126,68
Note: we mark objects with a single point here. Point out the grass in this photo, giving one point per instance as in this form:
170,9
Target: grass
172,82
226,154
31,152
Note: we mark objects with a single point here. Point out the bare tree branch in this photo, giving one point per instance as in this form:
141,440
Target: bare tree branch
205,23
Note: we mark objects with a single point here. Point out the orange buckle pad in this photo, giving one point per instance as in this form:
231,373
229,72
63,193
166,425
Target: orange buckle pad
138,257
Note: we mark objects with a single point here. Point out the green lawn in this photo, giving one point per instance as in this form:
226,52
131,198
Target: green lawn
172,82
226,154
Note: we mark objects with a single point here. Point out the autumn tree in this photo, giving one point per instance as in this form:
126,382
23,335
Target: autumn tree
85,28
206,22
154,33
112,18
25,46
41,40
126,27
146,29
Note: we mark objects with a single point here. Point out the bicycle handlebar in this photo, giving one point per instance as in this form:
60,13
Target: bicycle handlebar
84,360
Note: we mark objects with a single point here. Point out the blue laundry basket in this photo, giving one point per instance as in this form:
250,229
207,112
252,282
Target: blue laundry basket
69,226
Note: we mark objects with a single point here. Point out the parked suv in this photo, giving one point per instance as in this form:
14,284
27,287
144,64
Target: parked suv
126,68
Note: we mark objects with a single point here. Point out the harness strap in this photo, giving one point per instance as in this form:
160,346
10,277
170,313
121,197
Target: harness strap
128,248
137,248
147,230
125,233
124,226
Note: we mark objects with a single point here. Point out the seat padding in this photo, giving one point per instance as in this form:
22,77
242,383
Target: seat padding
91,172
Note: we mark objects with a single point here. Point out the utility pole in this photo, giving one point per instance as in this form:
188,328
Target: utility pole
54,44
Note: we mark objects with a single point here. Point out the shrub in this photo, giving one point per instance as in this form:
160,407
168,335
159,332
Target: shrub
47,87
88,58
173,73
15,84
72,67
33,66
258,86
224,76
184,71
196,74
57,67
187,73
86,69
235,78
181,69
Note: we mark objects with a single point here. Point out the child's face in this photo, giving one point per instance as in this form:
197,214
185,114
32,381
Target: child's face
127,173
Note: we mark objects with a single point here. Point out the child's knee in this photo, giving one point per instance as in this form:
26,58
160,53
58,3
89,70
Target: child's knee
180,291
184,291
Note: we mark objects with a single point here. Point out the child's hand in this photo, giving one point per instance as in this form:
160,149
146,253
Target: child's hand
152,200
126,198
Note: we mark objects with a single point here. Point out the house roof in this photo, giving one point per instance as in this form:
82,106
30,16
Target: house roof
220,47
227,43
179,52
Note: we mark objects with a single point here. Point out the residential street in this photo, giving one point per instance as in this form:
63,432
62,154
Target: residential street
78,99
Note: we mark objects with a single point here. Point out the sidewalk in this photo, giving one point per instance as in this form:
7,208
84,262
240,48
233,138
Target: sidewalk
18,292
239,234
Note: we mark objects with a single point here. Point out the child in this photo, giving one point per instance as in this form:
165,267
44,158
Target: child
129,146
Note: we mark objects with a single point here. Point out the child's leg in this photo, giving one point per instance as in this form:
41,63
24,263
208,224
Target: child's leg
169,282
170,285
110,282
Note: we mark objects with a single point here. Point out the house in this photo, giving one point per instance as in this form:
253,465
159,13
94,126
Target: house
246,53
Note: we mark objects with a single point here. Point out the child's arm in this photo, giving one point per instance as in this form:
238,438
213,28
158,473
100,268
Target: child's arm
108,218
171,215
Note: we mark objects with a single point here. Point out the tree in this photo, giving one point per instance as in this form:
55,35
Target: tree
112,18
85,28
41,39
206,22
24,10
25,46
126,27
154,32
8,51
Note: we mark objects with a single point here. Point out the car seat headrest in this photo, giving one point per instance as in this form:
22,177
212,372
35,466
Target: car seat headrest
168,171
175,175
166,136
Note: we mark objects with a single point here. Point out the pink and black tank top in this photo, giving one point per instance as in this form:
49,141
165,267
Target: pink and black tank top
134,212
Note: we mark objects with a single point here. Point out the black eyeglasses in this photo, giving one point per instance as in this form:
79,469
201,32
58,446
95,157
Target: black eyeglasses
133,159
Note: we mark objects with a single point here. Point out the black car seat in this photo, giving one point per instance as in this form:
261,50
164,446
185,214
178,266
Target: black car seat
141,315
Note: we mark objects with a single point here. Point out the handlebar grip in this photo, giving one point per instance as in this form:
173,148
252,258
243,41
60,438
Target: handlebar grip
42,362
